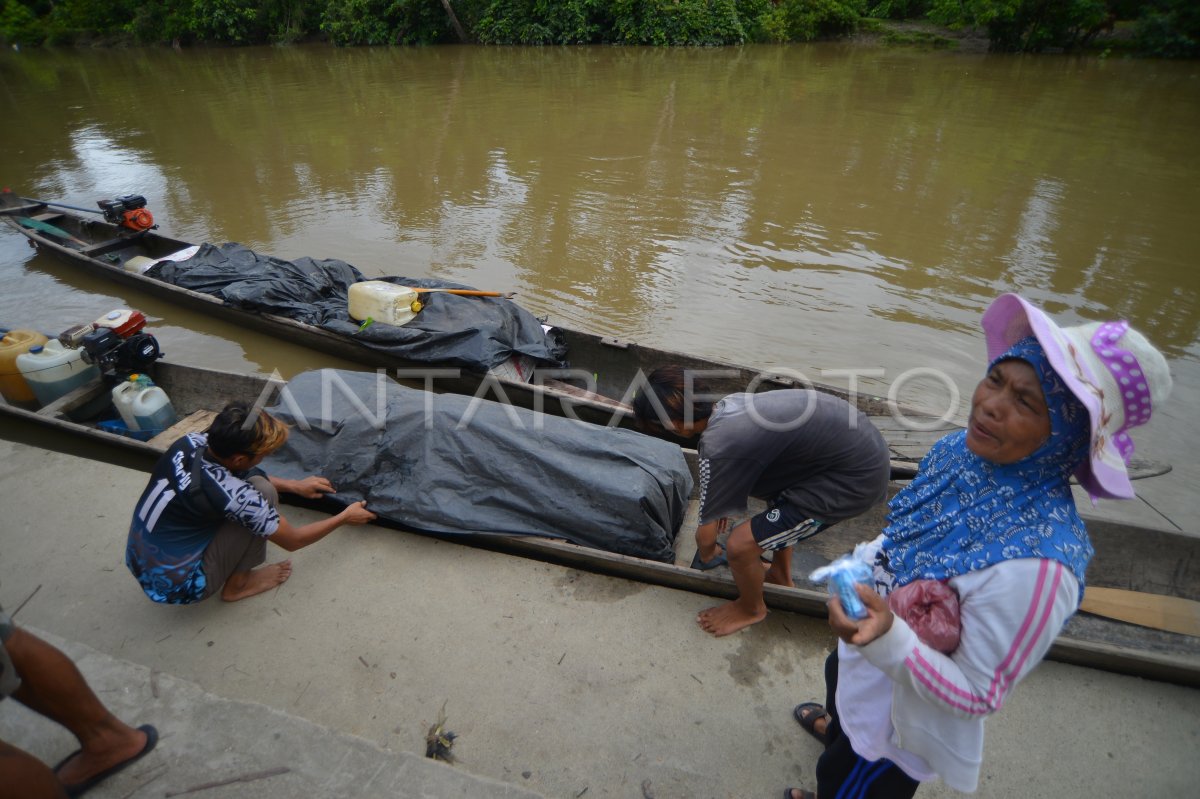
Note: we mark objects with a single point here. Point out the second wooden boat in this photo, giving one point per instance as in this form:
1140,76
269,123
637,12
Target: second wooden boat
1127,557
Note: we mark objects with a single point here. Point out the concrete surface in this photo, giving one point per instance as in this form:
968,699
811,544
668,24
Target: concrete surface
558,682
205,740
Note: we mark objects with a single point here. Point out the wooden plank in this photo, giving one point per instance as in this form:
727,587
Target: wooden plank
197,422
18,209
107,246
887,423
585,395
1170,613
73,399
1164,666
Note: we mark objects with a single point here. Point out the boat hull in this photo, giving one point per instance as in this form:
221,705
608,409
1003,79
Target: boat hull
1128,557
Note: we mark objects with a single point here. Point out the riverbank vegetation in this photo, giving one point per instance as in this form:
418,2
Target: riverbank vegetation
1158,28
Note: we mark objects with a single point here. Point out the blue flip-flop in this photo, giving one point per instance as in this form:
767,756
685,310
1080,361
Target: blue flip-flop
79,788
707,565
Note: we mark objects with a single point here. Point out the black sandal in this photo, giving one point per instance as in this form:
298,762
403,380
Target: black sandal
719,559
787,793
808,720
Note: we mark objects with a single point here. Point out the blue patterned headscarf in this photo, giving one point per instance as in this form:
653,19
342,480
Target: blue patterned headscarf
963,513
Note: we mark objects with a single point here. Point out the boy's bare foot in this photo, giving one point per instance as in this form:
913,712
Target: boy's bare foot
245,584
728,618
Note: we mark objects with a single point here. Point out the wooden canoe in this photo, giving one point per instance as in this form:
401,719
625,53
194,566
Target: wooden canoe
1127,557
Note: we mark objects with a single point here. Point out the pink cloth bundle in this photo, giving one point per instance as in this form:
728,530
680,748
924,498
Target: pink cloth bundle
930,607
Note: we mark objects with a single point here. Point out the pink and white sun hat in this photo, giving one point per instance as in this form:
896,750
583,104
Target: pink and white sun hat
1114,371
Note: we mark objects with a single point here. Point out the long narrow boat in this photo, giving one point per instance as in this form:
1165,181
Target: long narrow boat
1127,557
102,248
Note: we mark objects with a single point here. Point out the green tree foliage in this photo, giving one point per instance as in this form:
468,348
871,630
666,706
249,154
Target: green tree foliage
675,22
899,9
247,22
1169,29
19,25
1165,28
1025,25
83,20
356,22
542,21
165,21
230,21
822,19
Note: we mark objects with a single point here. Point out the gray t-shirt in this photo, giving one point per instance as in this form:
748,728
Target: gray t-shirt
810,449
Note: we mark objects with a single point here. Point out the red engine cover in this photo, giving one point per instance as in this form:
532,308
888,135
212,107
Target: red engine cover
123,322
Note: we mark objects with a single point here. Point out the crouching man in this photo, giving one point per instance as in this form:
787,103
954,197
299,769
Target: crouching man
814,458
201,526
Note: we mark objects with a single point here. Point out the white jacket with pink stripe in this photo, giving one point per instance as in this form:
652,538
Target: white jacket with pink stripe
900,699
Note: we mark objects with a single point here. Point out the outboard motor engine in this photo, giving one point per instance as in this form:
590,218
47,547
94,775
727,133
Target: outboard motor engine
116,344
128,212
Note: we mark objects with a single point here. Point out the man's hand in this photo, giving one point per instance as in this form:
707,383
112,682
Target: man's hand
356,513
311,487
864,631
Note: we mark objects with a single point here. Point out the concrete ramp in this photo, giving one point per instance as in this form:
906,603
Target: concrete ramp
254,750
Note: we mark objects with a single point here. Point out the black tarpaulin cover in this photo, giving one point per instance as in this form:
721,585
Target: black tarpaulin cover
475,333
448,463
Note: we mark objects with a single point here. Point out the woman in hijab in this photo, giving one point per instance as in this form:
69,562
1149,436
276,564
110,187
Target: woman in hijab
990,514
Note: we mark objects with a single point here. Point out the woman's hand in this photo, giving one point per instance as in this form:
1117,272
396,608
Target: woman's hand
311,487
864,631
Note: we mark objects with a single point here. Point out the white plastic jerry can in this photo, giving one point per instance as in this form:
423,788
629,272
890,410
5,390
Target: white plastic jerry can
142,405
384,302
122,398
52,370
152,409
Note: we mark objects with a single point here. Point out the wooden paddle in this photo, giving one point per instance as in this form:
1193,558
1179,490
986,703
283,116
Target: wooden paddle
46,227
1170,613
469,292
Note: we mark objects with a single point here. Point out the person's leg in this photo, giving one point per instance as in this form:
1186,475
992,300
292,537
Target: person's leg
744,562
778,530
243,584
774,530
52,686
780,571
23,776
232,560
841,771
833,728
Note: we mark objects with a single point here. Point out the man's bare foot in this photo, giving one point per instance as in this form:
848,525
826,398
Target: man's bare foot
244,584
116,746
728,618
776,576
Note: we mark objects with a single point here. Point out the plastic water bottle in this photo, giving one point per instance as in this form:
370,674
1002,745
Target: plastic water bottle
843,575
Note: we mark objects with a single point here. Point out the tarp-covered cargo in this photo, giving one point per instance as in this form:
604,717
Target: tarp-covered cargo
474,333
447,463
